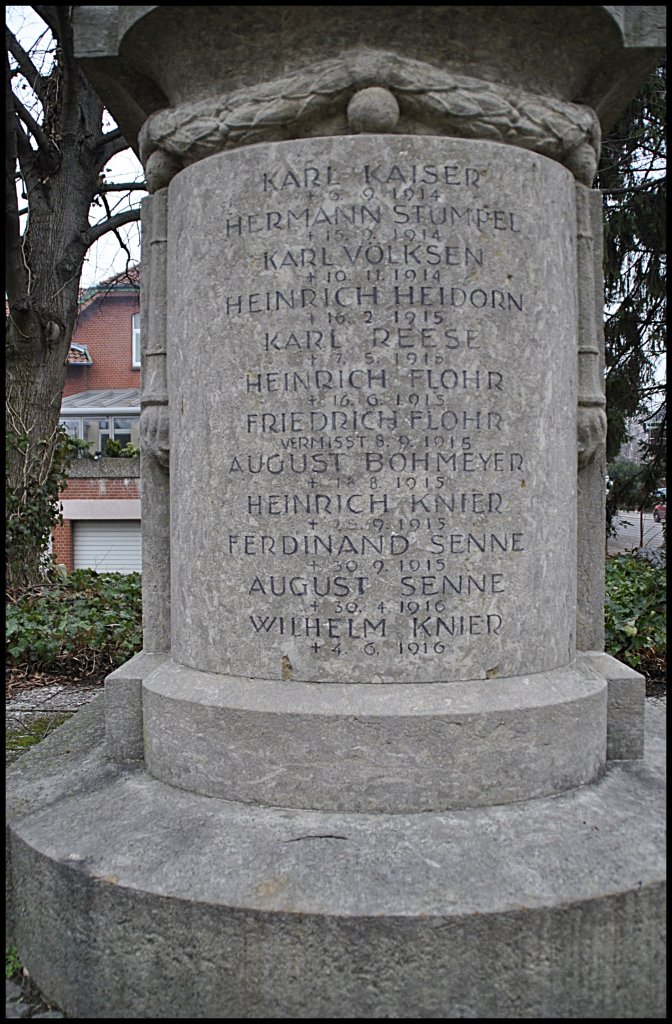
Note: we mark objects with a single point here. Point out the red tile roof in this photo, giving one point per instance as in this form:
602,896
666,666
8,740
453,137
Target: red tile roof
127,280
79,355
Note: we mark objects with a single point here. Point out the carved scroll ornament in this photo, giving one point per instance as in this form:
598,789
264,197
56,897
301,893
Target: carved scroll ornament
313,101
154,434
592,417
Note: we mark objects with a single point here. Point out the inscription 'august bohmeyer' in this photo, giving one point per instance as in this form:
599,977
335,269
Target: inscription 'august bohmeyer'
415,399
351,385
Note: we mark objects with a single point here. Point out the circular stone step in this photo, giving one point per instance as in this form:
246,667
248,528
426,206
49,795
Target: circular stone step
378,747
137,899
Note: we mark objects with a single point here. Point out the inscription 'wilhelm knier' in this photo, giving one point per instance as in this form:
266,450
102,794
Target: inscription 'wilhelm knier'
377,326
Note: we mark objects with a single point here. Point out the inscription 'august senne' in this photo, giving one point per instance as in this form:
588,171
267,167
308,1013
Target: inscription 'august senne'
407,239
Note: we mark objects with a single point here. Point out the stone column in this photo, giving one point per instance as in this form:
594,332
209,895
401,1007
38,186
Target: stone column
592,424
154,430
123,688
373,276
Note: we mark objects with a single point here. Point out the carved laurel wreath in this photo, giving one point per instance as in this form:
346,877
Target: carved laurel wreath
313,101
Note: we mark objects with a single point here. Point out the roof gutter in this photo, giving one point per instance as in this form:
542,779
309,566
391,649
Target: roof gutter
96,411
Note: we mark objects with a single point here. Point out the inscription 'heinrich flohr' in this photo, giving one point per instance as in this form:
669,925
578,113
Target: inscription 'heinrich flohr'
378,336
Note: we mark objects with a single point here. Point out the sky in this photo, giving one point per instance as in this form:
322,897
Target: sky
105,257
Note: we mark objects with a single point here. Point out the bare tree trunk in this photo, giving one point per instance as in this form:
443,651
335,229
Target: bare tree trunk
59,162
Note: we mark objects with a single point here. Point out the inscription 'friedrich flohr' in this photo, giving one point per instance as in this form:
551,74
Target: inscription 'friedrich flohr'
376,473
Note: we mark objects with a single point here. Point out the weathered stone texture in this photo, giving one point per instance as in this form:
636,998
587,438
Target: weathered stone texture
373,345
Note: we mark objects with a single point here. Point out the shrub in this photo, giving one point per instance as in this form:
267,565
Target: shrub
635,613
90,622
37,472
13,965
113,450
85,622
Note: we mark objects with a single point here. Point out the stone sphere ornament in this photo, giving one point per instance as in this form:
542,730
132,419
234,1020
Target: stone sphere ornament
373,110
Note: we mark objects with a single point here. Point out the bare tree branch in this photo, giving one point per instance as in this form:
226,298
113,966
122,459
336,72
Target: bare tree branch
109,145
123,186
107,139
654,183
49,16
110,218
35,79
16,278
63,31
111,224
48,148
27,156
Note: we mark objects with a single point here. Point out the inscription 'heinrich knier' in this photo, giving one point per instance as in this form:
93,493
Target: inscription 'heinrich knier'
371,327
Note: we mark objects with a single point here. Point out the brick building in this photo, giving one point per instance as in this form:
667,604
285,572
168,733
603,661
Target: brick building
101,402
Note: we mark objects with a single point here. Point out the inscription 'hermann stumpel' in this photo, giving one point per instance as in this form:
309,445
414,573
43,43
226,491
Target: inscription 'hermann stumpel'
379,480
381,319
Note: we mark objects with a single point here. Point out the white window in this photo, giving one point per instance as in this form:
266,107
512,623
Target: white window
136,340
73,427
101,429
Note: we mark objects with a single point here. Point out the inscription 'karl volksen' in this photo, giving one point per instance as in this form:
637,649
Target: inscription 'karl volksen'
375,255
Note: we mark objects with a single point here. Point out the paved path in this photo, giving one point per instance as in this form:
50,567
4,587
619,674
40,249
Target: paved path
635,532
45,706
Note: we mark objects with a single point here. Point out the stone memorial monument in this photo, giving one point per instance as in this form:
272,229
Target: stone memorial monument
372,760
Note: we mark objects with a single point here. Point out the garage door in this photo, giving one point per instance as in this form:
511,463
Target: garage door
107,545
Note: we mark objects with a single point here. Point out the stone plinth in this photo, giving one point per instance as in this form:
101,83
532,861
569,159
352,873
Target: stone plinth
137,899
414,747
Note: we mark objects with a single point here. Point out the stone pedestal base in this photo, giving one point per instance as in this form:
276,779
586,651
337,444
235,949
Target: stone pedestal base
136,899
390,748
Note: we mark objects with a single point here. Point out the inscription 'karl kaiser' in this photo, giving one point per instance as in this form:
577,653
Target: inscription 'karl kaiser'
311,177
376,458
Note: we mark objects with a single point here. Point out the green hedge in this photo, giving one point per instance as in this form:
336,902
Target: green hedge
92,622
86,622
636,613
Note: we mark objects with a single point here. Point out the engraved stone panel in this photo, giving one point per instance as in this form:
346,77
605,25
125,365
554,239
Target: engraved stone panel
373,373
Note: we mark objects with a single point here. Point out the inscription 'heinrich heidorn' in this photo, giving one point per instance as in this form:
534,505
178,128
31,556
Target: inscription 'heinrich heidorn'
374,438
